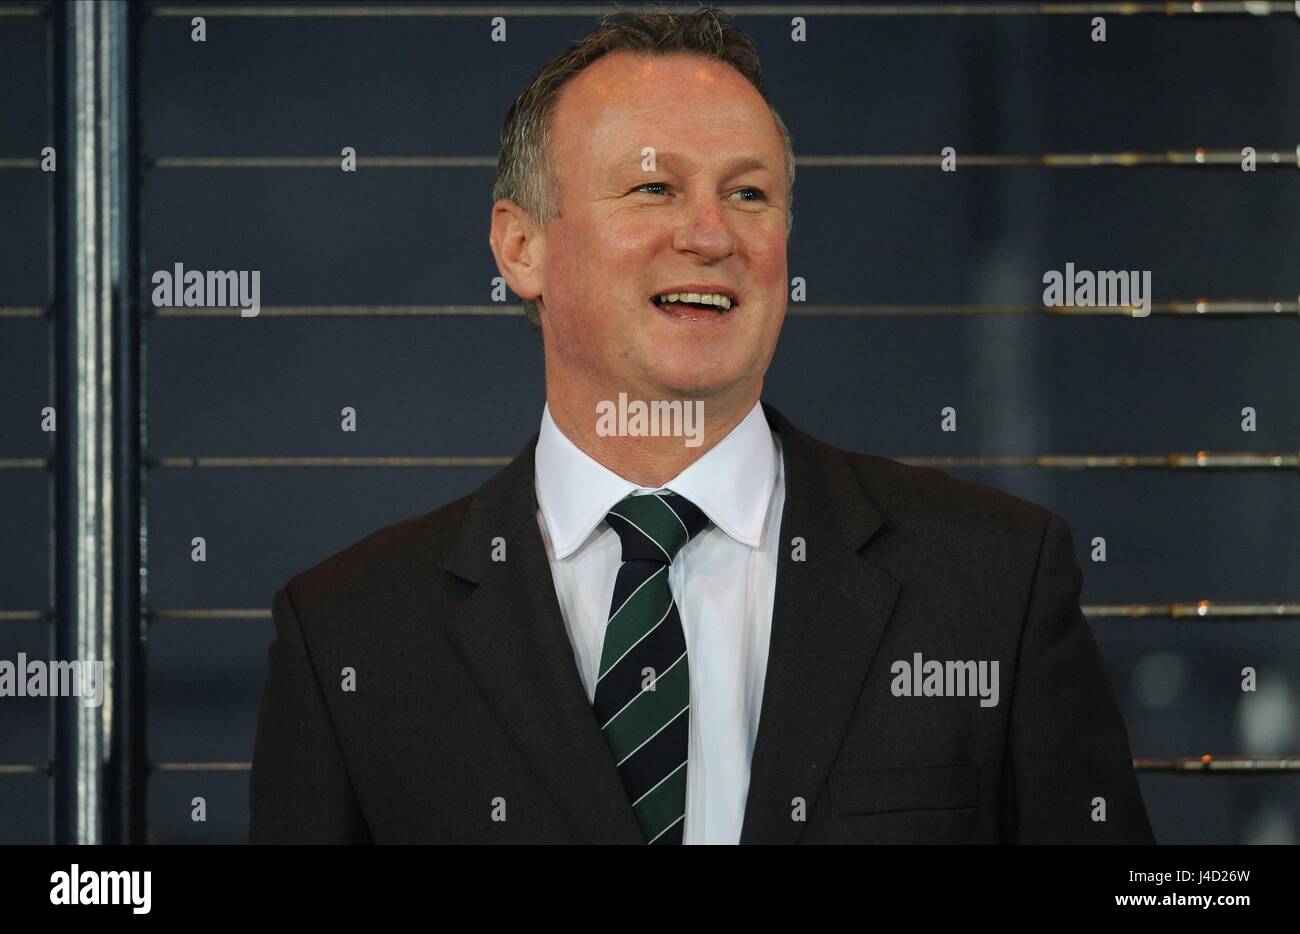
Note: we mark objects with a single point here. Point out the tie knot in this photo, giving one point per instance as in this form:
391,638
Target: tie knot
655,526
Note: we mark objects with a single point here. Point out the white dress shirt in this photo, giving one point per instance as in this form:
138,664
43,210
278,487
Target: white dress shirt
723,582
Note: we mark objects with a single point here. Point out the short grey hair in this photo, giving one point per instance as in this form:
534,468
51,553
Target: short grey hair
524,171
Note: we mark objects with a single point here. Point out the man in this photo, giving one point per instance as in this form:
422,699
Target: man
729,634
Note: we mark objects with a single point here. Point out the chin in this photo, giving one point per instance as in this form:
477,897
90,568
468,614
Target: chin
693,367
692,382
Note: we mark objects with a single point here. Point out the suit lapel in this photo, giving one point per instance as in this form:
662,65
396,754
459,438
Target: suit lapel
829,614
512,640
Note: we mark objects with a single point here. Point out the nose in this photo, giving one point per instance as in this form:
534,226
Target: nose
703,228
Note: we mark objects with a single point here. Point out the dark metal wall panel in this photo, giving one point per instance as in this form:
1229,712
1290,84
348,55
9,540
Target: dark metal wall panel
276,386
24,208
25,726
1226,808
320,236
26,809
25,525
204,690
172,807
263,525
1179,384
26,236
25,365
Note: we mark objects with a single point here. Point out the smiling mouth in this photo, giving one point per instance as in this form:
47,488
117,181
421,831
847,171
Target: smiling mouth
683,308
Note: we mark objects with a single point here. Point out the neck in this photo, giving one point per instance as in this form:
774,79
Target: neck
647,461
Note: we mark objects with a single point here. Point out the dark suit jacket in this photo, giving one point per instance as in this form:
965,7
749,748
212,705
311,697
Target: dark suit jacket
468,704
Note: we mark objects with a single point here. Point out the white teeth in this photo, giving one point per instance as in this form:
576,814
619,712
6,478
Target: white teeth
700,298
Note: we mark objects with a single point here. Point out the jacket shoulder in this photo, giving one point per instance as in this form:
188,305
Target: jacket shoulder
389,560
954,540
910,495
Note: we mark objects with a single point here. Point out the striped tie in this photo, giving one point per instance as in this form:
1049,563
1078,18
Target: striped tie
643,693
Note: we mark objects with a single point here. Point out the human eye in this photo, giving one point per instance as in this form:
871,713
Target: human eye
663,185
758,192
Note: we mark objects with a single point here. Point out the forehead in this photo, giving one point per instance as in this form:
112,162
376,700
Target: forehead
625,95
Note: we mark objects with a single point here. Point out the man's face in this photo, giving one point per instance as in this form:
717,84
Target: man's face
712,212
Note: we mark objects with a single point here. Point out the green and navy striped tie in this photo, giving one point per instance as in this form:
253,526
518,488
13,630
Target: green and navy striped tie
643,695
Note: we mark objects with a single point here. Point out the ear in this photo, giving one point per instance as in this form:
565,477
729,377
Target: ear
519,246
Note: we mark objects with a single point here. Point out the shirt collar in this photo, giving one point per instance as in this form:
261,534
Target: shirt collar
732,483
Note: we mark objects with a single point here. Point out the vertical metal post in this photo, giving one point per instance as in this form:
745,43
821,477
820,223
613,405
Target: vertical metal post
90,87
127,765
